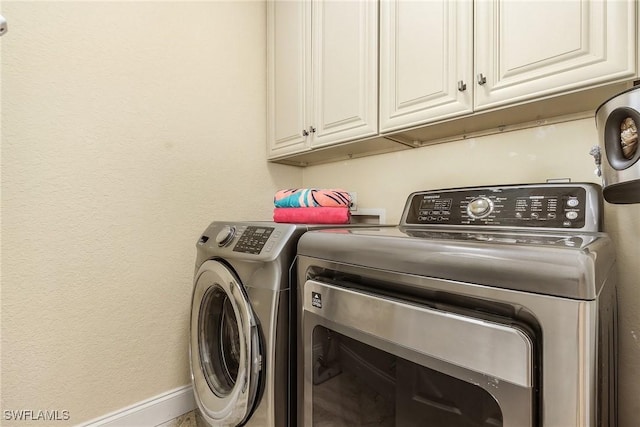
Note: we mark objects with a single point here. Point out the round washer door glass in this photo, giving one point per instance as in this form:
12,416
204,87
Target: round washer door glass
225,347
219,341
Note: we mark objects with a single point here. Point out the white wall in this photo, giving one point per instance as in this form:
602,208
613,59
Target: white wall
525,156
127,127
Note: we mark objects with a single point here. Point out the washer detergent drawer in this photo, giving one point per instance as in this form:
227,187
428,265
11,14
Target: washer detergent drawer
413,364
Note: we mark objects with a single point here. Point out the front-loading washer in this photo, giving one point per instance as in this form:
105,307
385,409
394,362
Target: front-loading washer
241,337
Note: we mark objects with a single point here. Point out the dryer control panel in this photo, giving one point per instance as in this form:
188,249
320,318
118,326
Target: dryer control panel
548,206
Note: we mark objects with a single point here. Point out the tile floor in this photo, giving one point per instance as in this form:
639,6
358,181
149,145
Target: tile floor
190,419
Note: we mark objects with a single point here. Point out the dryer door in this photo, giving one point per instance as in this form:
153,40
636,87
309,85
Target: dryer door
225,347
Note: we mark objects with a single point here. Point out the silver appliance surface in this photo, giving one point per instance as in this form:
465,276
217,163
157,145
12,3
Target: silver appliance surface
241,339
488,306
618,122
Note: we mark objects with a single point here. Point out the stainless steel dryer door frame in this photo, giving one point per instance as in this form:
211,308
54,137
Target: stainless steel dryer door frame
218,297
453,344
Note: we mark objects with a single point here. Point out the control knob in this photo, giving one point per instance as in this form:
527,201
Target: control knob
225,235
479,207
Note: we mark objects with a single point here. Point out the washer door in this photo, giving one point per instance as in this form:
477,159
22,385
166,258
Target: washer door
225,347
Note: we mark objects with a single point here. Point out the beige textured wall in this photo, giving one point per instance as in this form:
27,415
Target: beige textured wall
525,156
126,128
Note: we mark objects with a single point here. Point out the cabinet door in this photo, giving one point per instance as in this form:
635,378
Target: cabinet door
527,49
288,76
345,64
426,61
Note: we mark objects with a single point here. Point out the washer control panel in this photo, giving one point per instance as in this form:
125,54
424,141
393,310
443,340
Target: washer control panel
253,239
549,206
257,240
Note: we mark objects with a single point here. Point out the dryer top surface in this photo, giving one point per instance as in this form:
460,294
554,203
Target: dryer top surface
573,265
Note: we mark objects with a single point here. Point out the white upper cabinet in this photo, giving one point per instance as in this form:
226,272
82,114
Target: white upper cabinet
530,49
438,60
288,75
322,73
345,65
426,64
442,58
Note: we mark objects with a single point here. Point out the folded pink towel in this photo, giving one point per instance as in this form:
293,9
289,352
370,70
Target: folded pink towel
319,215
311,197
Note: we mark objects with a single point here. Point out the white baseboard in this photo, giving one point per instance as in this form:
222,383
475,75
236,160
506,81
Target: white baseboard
151,412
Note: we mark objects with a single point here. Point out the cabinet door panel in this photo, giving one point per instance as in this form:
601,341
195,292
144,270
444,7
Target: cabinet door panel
345,63
425,50
531,49
289,75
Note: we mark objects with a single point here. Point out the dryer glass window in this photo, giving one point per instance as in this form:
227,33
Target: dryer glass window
355,384
219,341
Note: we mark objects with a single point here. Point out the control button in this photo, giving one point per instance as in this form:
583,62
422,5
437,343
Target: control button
479,207
571,215
225,236
573,202
534,215
551,215
567,223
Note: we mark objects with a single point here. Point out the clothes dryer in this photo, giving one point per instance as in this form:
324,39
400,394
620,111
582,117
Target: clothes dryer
487,306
